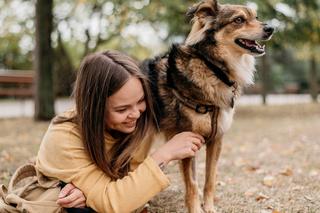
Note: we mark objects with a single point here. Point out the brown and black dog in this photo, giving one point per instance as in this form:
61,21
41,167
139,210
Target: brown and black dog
195,85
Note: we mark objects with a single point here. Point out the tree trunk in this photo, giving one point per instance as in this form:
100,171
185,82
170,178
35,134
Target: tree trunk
265,68
44,98
313,79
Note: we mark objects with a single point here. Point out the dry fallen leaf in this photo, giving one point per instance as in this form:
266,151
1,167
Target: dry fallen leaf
308,198
287,172
261,197
252,168
269,180
274,210
270,207
250,192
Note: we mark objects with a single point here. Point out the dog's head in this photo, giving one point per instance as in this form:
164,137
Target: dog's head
234,27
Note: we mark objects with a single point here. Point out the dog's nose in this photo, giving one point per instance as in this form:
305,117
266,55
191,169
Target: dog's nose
268,30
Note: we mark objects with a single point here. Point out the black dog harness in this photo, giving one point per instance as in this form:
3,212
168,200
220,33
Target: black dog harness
202,108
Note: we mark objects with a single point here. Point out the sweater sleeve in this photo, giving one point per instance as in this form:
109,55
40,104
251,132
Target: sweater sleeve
62,156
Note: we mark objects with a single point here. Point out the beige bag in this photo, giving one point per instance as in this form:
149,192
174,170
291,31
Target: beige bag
30,192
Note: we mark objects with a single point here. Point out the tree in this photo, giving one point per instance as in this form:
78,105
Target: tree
44,98
313,79
265,72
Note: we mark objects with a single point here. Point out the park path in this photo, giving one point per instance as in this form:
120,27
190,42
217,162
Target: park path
25,108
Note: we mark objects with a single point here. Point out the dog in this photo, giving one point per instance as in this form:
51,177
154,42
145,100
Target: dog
196,84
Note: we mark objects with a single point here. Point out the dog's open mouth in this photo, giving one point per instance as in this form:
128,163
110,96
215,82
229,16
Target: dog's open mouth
250,45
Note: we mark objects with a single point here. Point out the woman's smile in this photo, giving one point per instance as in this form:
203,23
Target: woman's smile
130,124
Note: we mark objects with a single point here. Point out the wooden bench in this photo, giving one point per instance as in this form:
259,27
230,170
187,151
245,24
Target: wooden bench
16,84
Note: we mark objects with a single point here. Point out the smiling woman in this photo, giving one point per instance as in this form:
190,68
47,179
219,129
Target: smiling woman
107,81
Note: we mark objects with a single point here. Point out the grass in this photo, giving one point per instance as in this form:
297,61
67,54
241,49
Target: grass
269,162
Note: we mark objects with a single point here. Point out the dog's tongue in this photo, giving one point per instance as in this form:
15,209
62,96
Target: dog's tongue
250,43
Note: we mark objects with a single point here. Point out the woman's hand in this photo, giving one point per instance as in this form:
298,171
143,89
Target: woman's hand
182,145
71,197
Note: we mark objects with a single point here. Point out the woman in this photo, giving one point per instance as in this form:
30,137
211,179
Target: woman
102,146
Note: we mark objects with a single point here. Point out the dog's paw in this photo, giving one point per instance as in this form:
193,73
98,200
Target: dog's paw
196,210
209,208
213,210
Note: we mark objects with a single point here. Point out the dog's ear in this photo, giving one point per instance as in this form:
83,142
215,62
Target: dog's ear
203,9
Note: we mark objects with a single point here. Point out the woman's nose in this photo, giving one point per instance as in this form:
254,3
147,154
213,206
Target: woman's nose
135,113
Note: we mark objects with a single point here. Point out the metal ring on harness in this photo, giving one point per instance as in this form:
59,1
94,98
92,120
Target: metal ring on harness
203,108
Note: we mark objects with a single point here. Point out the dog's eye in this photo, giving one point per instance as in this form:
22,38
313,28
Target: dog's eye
239,20
257,18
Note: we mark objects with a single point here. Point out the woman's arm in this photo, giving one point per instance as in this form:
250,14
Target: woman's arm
172,150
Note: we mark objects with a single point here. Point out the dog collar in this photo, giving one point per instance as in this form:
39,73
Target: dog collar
219,73
199,108
215,69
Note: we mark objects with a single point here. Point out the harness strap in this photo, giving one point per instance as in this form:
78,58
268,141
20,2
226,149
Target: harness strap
199,108
203,109
215,69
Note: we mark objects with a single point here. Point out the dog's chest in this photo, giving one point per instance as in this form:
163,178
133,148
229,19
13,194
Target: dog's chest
202,123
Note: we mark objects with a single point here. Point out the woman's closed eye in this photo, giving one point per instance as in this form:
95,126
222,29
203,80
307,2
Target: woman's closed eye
121,110
124,108
141,100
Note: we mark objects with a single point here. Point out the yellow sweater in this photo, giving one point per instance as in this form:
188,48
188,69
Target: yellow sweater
62,156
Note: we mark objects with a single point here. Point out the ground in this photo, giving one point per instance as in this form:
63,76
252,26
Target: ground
269,162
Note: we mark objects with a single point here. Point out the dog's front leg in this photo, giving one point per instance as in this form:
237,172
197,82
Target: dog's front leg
192,199
212,156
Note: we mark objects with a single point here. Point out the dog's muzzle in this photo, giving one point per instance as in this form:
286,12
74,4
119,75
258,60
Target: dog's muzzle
268,31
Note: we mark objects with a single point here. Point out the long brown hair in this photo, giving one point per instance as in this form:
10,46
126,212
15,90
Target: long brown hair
101,75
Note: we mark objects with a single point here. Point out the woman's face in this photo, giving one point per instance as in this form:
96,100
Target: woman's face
125,106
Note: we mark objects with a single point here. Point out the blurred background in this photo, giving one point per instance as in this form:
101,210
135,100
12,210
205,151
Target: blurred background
289,72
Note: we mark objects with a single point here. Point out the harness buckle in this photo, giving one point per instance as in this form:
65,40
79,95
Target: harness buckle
203,109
